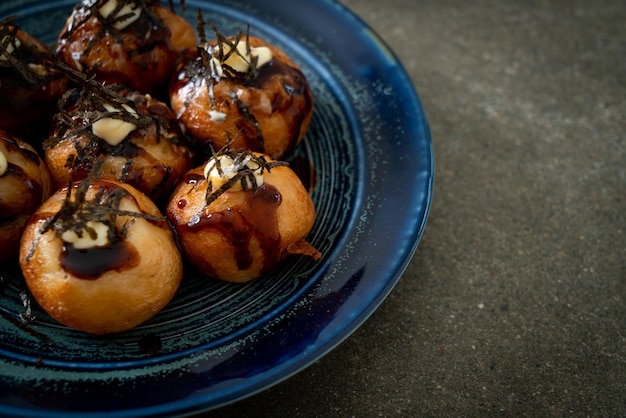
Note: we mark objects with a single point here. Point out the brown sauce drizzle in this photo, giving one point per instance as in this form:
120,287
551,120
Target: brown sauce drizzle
147,23
292,80
81,107
256,219
276,68
76,211
91,263
294,84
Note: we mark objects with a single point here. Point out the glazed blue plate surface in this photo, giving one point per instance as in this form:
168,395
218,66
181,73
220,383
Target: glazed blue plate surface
367,160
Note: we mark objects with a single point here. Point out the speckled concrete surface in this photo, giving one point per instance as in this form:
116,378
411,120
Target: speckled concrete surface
514,303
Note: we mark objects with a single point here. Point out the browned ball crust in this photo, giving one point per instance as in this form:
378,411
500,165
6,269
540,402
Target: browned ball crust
140,56
242,234
158,151
24,186
269,114
118,299
29,89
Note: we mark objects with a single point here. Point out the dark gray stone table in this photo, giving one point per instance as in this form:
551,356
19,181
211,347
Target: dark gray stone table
514,303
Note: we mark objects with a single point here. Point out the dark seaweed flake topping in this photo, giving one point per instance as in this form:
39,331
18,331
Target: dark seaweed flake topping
229,44
209,53
17,57
146,24
77,211
90,100
27,315
245,163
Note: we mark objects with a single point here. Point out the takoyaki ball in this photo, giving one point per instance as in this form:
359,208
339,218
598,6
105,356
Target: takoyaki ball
136,136
245,90
99,257
29,88
132,42
240,214
24,184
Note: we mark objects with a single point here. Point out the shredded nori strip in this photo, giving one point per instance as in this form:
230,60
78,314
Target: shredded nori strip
183,6
209,54
244,173
76,211
207,51
148,22
90,99
249,119
17,57
27,316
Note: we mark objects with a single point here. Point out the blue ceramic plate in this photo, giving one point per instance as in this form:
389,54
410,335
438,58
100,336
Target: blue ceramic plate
368,162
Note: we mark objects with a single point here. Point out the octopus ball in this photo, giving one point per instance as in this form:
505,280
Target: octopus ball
255,213
136,136
29,87
24,184
131,42
243,91
100,258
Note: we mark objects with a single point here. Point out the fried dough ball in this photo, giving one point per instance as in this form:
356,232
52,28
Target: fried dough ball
24,184
100,257
132,42
242,89
240,214
136,135
29,89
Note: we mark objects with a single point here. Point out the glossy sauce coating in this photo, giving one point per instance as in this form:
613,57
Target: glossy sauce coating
90,263
242,234
140,55
29,89
23,187
267,113
118,255
254,217
151,157
107,288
